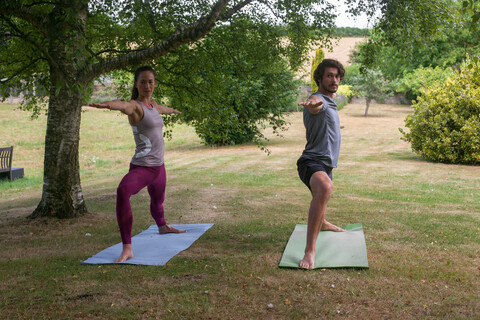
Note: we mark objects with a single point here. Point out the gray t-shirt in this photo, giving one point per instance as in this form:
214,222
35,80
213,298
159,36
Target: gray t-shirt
323,133
148,135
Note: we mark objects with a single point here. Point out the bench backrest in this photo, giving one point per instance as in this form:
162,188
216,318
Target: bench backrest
6,159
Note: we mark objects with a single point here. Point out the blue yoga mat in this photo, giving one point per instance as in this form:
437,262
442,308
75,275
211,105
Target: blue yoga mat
151,248
332,250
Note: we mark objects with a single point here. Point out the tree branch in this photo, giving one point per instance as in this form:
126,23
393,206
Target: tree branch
275,13
192,88
227,15
20,71
28,39
229,52
184,34
26,13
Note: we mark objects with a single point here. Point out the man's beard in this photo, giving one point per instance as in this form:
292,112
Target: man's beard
330,91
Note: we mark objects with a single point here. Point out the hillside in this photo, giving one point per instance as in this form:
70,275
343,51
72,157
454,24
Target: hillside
341,51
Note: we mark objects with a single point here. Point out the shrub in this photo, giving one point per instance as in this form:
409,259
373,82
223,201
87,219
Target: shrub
246,108
414,81
445,125
345,90
319,55
351,73
343,96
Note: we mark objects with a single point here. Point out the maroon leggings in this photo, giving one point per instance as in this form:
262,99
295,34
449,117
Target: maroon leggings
135,180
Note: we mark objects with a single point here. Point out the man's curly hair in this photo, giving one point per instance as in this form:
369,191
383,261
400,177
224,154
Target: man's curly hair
327,63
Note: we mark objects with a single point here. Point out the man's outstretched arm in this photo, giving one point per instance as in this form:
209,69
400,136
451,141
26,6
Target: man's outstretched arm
314,104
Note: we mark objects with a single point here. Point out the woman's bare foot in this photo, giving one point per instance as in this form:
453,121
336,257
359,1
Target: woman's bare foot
327,226
168,229
308,261
127,253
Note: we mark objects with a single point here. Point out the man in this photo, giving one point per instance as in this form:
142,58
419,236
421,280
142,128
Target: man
320,156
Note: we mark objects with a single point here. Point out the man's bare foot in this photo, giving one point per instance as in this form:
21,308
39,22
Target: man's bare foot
327,226
127,253
168,229
308,261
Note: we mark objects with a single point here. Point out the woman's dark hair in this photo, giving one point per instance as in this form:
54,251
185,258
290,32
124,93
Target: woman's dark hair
327,63
137,74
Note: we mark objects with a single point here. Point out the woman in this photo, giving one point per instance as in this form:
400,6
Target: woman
147,167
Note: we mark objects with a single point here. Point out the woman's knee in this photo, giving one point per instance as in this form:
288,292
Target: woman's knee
123,191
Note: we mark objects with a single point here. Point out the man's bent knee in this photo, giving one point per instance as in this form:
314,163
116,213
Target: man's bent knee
321,184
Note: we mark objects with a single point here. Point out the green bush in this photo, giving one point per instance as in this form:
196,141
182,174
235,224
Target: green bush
247,108
414,81
346,90
445,125
351,73
343,96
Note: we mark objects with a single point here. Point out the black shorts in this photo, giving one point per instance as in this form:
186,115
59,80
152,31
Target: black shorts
307,167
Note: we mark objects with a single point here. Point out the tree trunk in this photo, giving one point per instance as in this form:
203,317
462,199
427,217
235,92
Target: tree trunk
368,106
62,193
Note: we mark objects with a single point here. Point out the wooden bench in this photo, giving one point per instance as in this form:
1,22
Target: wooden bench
6,170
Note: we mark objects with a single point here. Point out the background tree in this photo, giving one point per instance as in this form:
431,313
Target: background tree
472,8
410,34
231,84
345,32
413,83
372,85
448,47
63,45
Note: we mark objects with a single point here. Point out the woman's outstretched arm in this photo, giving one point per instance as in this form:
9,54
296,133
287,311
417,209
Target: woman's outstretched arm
127,107
131,108
164,109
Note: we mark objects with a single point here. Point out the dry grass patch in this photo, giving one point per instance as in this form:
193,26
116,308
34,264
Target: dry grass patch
420,220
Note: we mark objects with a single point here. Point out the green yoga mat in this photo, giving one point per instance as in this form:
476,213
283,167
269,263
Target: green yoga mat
333,249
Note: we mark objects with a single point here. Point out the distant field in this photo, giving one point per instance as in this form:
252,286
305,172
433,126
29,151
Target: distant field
341,51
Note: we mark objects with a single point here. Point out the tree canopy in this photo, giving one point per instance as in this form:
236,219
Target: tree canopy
413,34
61,46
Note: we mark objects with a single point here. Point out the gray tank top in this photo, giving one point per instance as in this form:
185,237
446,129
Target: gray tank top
148,135
323,133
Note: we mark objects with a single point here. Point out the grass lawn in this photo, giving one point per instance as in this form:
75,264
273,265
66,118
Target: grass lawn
421,223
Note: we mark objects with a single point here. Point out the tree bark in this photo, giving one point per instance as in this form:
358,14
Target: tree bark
368,106
62,195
